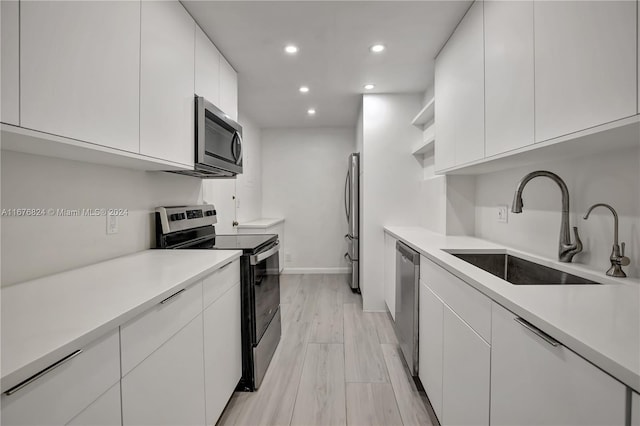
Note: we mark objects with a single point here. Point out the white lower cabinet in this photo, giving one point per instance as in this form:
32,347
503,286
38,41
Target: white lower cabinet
222,351
466,372
105,411
60,395
430,346
167,388
390,274
537,381
635,409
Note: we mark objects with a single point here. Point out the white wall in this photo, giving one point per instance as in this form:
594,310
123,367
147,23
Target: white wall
611,178
303,173
38,246
391,184
249,183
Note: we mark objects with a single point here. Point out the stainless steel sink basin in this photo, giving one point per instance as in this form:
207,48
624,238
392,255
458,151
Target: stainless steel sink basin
519,271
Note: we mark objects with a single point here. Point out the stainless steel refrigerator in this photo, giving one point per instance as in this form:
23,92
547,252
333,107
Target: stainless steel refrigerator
352,212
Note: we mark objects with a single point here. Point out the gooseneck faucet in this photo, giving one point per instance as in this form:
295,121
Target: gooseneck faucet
566,249
617,258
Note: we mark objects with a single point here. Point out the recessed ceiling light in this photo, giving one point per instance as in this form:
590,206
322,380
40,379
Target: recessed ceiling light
311,111
291,49
369,86
304,89
377,48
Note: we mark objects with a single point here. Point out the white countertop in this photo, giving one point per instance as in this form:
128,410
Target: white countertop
48,318
260,223
601,323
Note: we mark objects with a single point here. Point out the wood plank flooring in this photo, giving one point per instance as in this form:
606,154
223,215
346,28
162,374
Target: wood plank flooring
335,365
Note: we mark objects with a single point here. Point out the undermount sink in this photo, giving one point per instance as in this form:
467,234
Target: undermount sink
519,271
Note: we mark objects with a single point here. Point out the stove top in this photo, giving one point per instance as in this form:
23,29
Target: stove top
245,242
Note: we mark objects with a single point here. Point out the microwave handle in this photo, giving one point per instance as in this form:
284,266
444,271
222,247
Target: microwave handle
237,140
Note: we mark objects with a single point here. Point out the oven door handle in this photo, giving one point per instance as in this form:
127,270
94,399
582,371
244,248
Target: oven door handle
257,258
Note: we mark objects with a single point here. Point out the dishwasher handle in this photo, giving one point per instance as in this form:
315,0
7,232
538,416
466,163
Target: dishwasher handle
408,253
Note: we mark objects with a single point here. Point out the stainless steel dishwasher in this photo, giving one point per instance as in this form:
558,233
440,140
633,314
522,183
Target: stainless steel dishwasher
407,300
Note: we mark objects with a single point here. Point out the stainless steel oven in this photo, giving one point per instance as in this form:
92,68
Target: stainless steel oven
191,227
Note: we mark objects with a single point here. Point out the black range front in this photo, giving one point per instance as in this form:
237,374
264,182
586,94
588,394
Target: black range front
259,279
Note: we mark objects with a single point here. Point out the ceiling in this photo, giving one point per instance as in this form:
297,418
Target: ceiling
334,59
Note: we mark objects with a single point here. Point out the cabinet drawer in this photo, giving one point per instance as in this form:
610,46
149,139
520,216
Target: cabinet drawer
216,284
537,381
145,333
58,396
470,305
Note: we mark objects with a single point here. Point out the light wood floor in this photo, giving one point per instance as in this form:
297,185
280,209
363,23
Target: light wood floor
335,365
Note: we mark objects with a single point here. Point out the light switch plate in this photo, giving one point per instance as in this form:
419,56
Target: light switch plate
503,213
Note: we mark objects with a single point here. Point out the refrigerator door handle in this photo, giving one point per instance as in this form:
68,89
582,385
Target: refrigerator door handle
347,195
346,256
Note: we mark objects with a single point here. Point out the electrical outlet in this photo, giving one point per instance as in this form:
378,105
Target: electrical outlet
503,212
287,257
112,224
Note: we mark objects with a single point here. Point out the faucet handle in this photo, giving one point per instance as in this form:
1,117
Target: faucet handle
578,241
624,260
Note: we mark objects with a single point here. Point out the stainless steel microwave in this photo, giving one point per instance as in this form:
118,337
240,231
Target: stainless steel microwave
218,143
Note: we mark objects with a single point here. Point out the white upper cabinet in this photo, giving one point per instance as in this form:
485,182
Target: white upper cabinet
444,116
585,65
207,68
228,89
10,73
459,111
638,56
509,81
79,70
167,89
537,381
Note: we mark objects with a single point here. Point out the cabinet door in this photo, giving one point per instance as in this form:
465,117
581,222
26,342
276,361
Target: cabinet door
390,274
228,89
105,411
508,44
10,74
167,388
58,396
468,66
207,68
444,115
167,68
466,373
430,346
80,70
585,64
459,91
222,352
536,383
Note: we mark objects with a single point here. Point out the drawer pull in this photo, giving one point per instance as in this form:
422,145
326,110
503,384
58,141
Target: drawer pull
225,265
176,294
36,376
541,334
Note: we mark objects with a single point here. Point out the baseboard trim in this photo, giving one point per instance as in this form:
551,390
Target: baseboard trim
340,270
